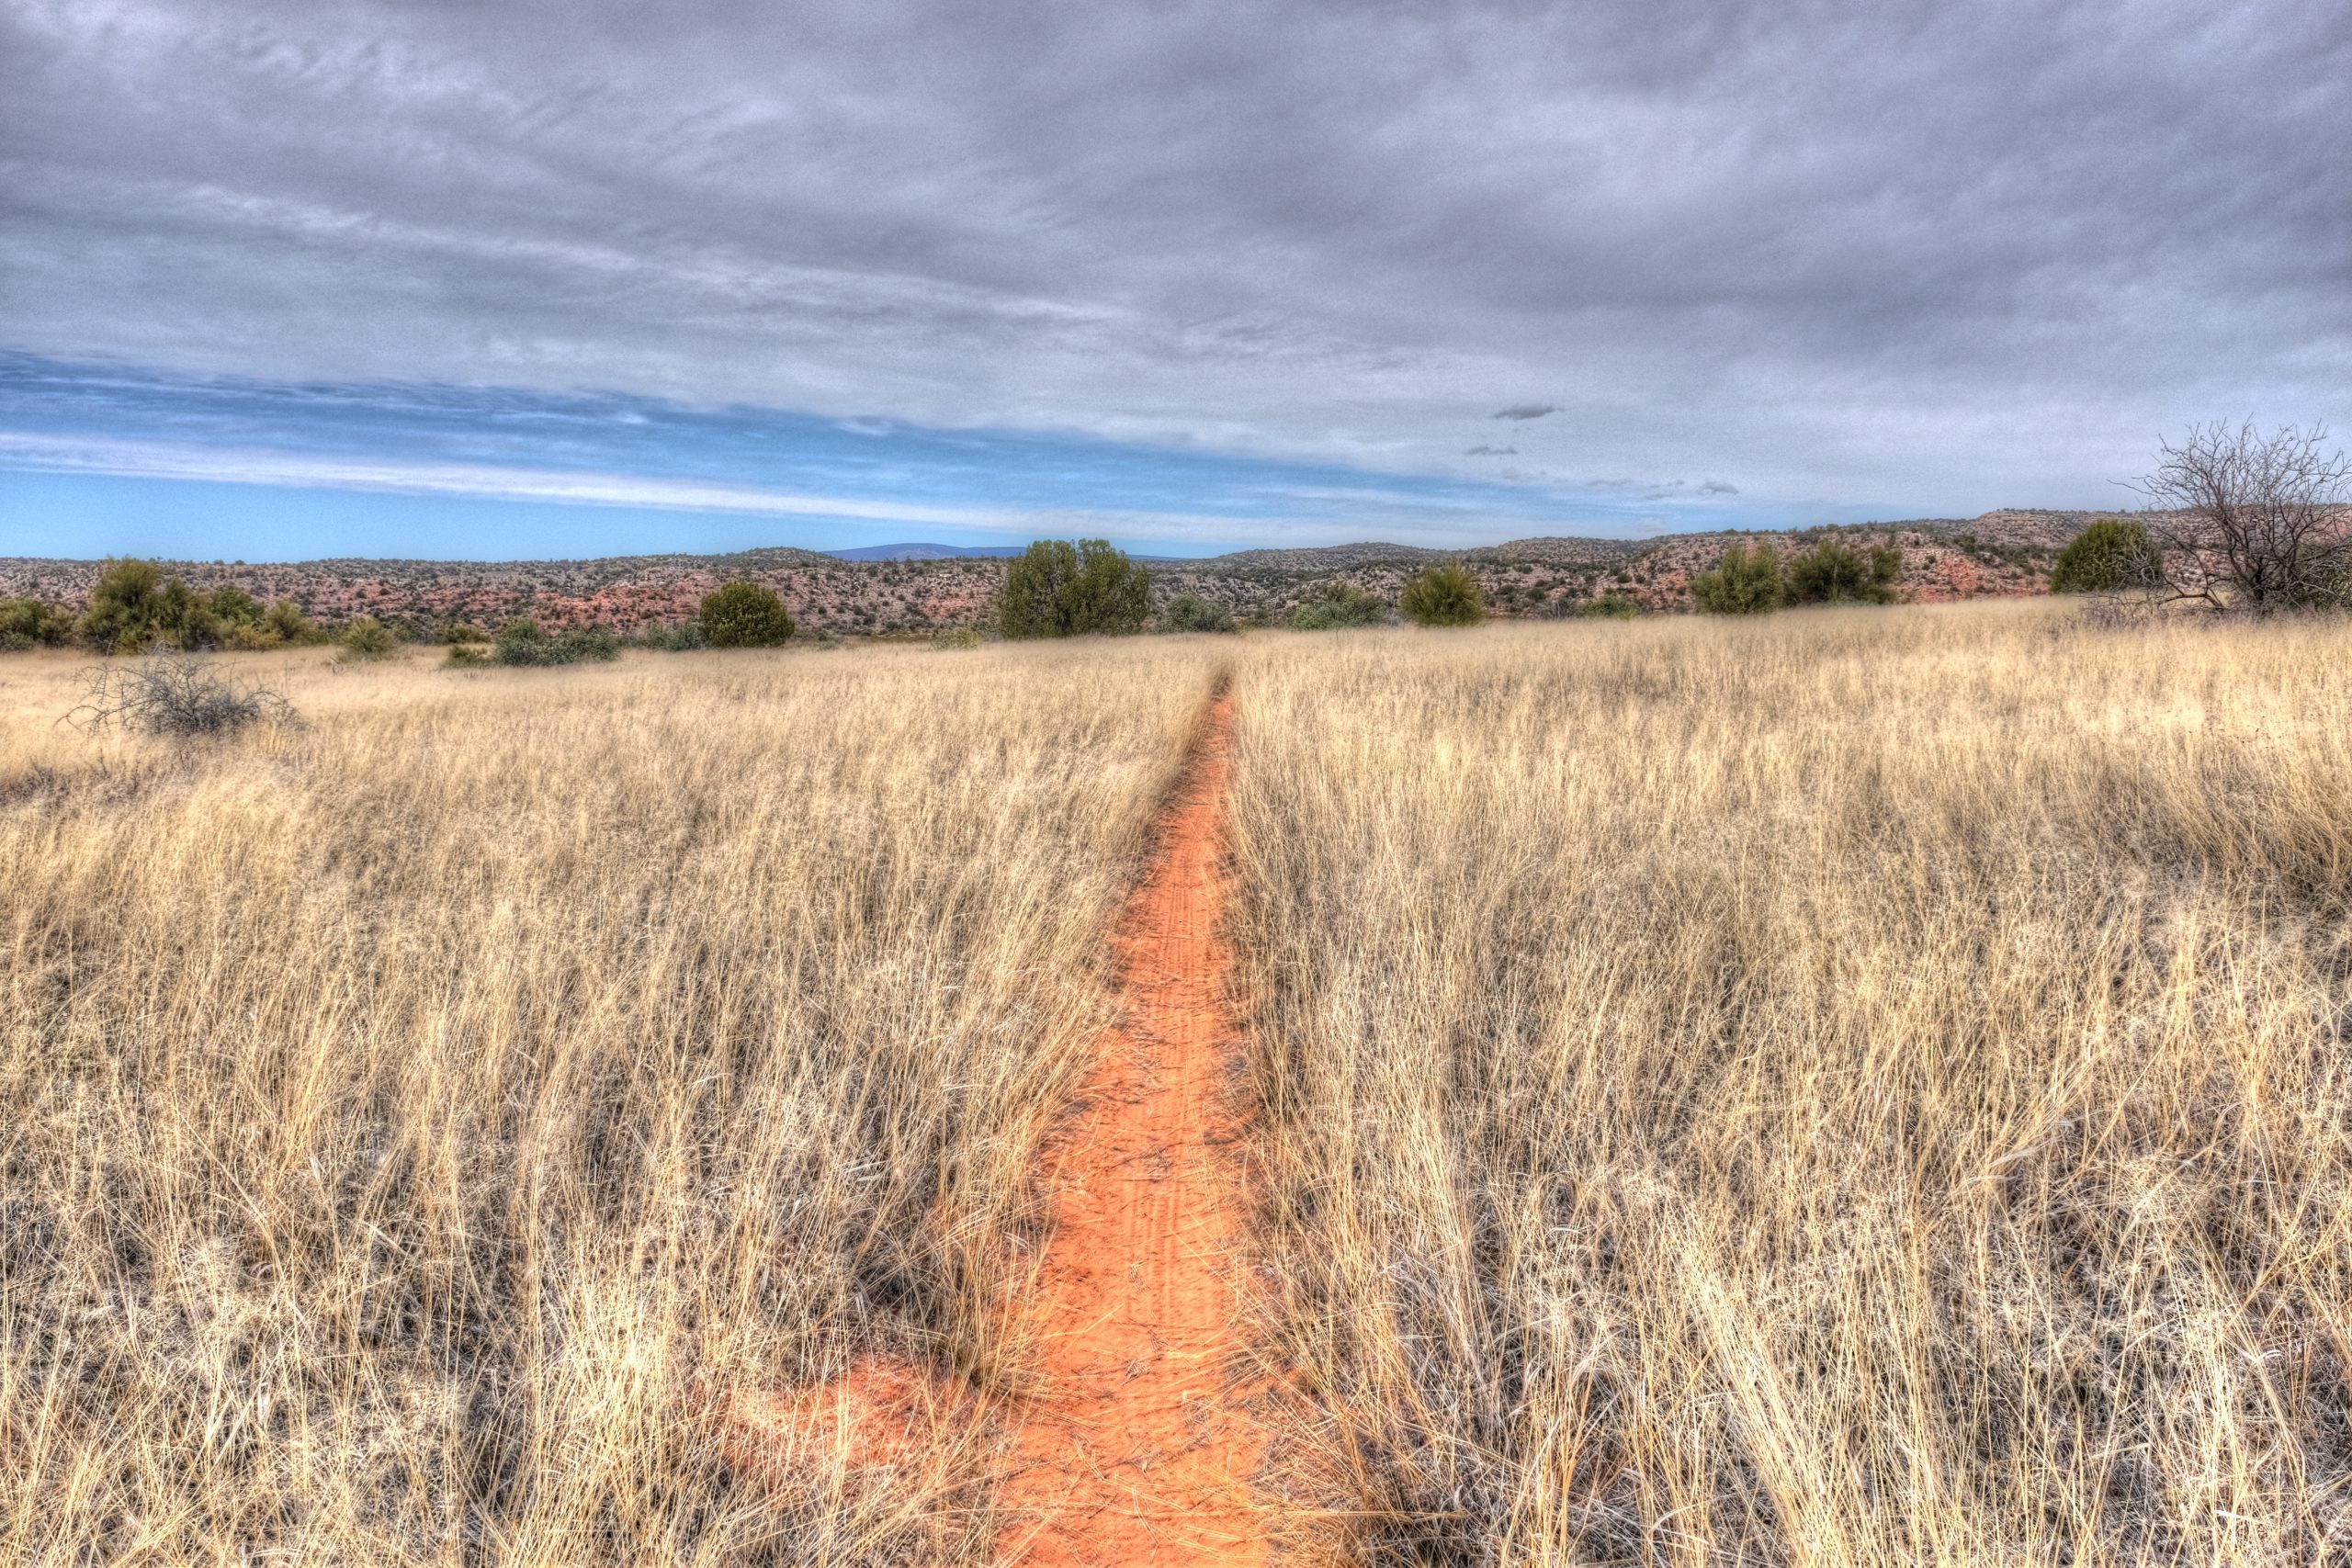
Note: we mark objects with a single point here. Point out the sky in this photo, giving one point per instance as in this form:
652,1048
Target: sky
561,277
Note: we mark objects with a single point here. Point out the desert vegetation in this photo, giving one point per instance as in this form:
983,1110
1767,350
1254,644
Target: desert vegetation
1830,1089
744,614
1855,1088
654,602
426,1123
1060,588
1445,596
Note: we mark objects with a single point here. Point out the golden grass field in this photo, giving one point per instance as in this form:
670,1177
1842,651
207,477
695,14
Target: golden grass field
419,1122
1853,1087
1858,1086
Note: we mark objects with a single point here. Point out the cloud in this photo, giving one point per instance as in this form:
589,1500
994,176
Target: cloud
1880,253
1718,486
1482,450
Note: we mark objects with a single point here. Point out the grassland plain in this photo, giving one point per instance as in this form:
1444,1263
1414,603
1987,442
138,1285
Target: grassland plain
1856,1087
423,1124
1861,1088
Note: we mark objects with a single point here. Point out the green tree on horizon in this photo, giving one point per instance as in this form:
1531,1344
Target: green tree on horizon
1745,581
2110,555
743,614
1057,589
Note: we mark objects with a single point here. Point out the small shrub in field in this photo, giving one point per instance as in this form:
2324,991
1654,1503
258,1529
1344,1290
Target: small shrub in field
2109,557
133,606
957,638
523,642
1746,581
285,618
526,643
1058,589
1335,606
681,637
744,614
468,655
365,640
587,644
174,696
231,607
28,623
1191,612
1612,607
1444,595
129,608
1829,573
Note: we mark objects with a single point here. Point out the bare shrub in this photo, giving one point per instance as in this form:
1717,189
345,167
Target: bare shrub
170,694
2252,522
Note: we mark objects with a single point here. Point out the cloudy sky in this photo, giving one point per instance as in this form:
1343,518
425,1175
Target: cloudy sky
557,276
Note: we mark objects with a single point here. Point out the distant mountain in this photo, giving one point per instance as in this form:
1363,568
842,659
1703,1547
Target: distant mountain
928,552
952,552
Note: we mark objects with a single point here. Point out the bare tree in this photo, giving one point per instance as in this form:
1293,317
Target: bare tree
2251,522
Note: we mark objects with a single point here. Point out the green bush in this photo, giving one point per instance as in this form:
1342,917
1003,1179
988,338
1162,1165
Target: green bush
1444,595
1612,607
365,639
470,655
1746,581
1829,573
1335,606
587,644
2108,557
232,606
130,610
957,638
30,623
525,643
744,614
1191,612
1056,588
286,619
681,637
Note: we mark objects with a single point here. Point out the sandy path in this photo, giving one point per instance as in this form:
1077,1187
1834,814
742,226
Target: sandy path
1139,1450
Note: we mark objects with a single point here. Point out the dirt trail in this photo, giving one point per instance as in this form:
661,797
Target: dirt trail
1134,1449
1139,1450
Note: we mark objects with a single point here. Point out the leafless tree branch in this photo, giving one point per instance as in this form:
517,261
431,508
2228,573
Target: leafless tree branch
2251,522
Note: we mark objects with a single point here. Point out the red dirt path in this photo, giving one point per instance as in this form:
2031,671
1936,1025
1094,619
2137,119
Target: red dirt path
1135,1448
1138,1449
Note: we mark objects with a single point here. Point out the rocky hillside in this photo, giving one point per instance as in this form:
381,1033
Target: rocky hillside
2001,553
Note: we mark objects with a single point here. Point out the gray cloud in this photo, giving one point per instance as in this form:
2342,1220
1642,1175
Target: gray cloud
1718,486
1939,257
1527,411
1483,450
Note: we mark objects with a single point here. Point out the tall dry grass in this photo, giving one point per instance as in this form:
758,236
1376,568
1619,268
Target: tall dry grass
415,1126
1860,1088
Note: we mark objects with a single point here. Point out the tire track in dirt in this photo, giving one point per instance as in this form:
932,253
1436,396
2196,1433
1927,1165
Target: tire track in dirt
1138,1449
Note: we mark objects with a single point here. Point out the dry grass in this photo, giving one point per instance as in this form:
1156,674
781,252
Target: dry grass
419,1122
1863,1088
